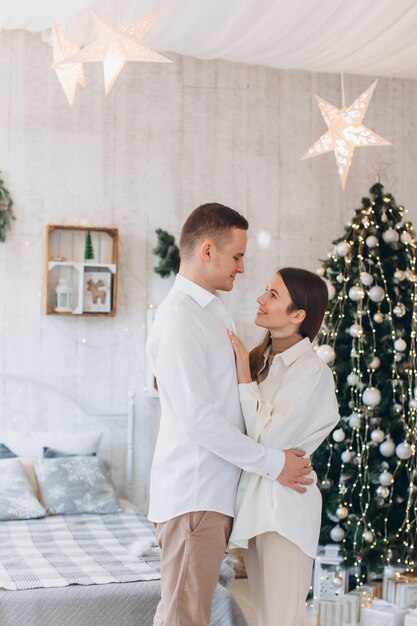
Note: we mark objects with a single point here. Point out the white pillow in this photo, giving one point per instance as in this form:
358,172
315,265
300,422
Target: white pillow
31,444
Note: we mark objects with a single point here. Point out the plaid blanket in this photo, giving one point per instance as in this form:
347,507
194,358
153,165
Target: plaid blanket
66,550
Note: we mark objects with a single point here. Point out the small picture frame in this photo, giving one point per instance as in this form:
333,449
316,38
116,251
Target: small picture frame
151,382
97,292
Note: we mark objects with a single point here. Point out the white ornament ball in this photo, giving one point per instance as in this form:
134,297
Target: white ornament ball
368,536
399,275
390,236
382,492
404,451
347,456
399,310
342,248
376,293
387,448
378,317
342,512
356,293
398,356
377,435
386,478
366,279
339,435
337,533
406,237
352,379
339,278
371,241
400,345
371,396
337,581
413,404
375,363
354,420
331,290
356,330
326,353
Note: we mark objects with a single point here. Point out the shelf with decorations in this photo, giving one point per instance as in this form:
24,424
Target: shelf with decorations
81,270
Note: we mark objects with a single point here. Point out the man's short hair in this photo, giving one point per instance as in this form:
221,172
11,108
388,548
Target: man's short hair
210,221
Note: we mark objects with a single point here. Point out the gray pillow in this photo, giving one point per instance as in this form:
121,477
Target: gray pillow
6,453
53,453
79,484
17,500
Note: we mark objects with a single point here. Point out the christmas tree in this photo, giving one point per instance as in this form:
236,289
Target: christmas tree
168,252
367,467
88,251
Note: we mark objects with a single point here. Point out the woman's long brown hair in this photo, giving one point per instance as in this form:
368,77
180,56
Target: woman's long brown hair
308,292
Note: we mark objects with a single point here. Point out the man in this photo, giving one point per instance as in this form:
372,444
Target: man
201,447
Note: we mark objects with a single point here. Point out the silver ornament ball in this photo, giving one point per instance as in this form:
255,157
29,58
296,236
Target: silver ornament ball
386,478
371,241
339,435
404,451
366,279
326,353
377,435
387,448
356,293
371,396
337,534
376,293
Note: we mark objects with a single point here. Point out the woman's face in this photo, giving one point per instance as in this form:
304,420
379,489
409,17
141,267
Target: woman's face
274,305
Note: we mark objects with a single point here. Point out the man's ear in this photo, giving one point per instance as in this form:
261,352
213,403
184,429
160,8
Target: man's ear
206,250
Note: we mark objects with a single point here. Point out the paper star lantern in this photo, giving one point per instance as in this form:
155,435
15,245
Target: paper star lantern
116,46
69,74
345,132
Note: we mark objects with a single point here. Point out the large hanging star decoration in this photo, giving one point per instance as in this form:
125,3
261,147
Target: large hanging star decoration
69,74
345,132
115,46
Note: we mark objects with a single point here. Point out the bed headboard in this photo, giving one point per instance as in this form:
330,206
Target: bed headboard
31,404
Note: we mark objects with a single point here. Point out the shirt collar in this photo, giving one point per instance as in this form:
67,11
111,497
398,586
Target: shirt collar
197,293
291,354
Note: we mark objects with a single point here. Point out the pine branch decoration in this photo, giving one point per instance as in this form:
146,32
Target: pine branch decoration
168,252
6,212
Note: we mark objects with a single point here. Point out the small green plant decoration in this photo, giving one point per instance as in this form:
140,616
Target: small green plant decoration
6,212
168,252
88,251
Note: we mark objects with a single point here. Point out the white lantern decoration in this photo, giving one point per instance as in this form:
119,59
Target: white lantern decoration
366,279
400,345
386,478
352,379
390,235
354,420
337,533
377,435
326,353
378,317
376,293
375,363
406,237
342,248
356,330
339,435
347,456
368,536
63,297
371,396
342,512
330,289
404,451
371,241
356,293
387,448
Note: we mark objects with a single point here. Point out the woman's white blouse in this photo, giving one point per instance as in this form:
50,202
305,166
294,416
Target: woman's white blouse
294,407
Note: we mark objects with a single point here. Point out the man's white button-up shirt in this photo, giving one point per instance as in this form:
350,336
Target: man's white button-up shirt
201,445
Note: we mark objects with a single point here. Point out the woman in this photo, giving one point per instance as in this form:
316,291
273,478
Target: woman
288,401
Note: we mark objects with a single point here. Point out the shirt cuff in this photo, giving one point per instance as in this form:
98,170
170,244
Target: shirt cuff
248,391
274,463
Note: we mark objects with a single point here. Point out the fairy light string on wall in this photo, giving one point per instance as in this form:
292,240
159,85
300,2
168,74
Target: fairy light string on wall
367,466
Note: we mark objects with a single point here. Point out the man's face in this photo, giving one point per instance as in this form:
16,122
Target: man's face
227,261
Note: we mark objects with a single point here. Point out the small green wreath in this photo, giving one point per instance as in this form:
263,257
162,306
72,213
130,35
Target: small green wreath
168,252
6,212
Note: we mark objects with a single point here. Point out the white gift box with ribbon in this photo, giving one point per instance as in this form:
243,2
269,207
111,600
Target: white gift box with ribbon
330,613
411,618
381,613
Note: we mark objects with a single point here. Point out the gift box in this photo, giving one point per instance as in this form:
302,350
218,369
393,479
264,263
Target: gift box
351,608
388,585
330,613
381,613
411,618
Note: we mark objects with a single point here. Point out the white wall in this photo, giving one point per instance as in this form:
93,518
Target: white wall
167,138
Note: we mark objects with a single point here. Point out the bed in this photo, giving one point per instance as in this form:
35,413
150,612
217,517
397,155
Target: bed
80,569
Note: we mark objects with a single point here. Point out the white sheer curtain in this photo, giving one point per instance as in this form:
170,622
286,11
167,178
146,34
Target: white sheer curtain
374,37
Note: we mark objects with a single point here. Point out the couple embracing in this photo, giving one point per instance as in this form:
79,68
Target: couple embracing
224,410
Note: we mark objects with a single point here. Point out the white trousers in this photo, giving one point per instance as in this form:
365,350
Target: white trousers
279,576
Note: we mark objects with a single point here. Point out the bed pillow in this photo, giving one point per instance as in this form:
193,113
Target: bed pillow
79,484
52,453
30,444
6,453
17,500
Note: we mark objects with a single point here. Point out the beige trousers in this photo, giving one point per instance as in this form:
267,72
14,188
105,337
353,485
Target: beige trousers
279,579
192,548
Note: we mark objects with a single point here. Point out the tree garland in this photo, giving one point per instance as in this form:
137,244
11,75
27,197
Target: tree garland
168,252
6,213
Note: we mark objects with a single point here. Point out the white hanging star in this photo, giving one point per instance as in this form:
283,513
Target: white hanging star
345,132
116,46
69,74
